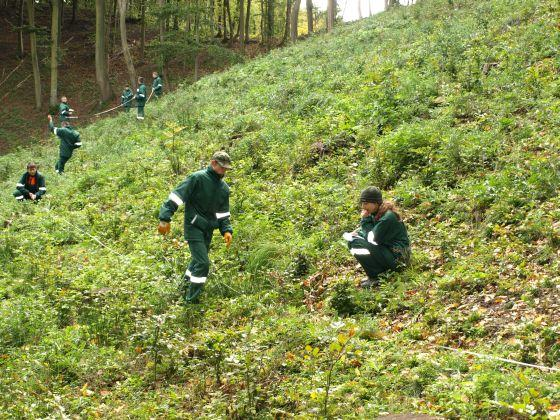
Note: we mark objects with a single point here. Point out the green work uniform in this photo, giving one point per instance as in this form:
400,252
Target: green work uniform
63,112
30,185
126,99
157,87
69,140
141,101
206,199
381,244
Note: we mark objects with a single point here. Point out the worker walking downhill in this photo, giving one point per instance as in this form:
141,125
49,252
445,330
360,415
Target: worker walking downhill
381,242
32,185
126,98
69,140
206,199
157,86
140,98
64,110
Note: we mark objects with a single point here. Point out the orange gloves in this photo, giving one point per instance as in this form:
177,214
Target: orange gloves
164,227
228,238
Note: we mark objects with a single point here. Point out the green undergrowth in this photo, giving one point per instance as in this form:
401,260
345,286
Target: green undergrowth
452,109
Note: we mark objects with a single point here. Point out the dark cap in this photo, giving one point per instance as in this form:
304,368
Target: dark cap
223,159
371,195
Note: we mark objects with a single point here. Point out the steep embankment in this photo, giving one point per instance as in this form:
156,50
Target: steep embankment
453,111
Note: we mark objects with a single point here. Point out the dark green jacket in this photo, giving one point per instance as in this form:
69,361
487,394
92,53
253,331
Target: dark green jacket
69,139
141,95
63,111
126,97
26,186
387,231
206,199
157,86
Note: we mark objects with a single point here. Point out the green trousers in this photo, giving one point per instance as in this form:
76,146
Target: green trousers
375,259
59,166
198,269
140,114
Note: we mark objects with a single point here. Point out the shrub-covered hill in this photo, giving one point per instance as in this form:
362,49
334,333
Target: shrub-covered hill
452,109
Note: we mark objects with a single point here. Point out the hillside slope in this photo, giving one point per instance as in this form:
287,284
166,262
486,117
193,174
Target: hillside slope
452,111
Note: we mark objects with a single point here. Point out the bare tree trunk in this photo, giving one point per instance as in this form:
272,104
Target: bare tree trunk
360,9
369,7
115,22
21,8
211,13
294,20
386,5
230,21
55,16
247,25
33,49
242,25
309,7
270,22
124,43
287,25
331,14
142,28
161,4
100,52
74,10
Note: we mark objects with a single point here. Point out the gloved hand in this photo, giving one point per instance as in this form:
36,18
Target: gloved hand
164,227
228,237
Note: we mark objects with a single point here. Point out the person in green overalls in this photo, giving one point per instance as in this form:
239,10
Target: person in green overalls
126,98
206,199
140,98
157,86
69,140
381,242
64,110
31,186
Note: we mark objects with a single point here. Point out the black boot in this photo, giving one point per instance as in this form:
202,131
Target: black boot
193,294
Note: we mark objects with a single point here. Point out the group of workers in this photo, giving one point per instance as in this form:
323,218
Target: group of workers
140,97
380,243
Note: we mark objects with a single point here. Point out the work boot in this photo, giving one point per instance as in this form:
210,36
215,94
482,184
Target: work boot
193,294
369,282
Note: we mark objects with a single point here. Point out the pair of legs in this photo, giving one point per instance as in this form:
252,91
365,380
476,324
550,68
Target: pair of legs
21,196
59,166
375,259
198,269
140,114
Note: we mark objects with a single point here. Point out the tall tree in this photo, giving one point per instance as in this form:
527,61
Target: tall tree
369,7
360,9
331,14
287,25
247,21
309,7
33,49
242,24
55,16
100,52
142,28
124,43
74,10
294,17
21,8
270,22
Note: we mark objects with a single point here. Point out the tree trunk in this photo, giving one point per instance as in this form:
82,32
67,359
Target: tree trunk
74,10
294,20
369,7
247,25
242,25
386,5
161,4
21,8
287,26
33,49
142,28
211,13
331,14
100,52
55,16
270,22
360,10
196,67
126,52
230,20
309,7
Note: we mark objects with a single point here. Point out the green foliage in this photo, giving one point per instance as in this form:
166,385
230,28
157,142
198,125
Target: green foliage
451,109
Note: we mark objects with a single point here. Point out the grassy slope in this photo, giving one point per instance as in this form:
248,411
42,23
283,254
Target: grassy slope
404,101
